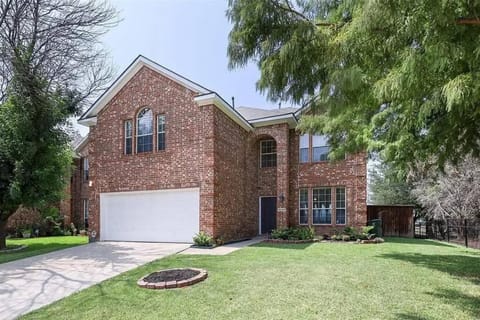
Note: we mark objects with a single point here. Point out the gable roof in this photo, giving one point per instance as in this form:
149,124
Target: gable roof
89,116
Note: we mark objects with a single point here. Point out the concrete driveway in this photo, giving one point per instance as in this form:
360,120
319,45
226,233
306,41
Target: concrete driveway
31,283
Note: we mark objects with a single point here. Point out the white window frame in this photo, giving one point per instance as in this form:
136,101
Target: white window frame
331,207
268,153
301,146
300,206
127,136
144,135
319,141
345,208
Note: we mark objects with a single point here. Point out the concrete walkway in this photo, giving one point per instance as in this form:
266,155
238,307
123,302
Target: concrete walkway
31,283
225,249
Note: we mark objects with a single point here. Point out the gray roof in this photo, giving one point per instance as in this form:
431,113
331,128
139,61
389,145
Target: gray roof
256,113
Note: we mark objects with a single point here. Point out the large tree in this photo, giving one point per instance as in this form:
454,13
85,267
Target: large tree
51,62
400,76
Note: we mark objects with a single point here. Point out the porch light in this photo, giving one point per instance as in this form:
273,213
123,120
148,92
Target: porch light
282,198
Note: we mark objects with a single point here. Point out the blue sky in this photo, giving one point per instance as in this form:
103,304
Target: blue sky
187,36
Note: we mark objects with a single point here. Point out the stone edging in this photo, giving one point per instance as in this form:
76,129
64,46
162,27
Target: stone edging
289,241
174,284
23,246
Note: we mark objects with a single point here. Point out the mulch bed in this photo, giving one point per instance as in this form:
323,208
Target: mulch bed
172,278
171,275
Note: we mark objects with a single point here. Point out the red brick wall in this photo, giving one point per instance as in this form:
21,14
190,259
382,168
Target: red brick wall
350,173
180,165
233,218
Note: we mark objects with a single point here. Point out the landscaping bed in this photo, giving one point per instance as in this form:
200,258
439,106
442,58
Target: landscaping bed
172,278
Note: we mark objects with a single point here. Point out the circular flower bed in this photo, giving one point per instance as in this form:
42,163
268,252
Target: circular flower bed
172,278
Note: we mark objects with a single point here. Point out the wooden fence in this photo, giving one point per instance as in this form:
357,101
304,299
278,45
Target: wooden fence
397,220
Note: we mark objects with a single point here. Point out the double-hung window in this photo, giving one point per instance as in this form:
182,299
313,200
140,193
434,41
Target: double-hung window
304,146
322,206
320,148
340,206
128,137
268,153
145,131
161,132
303,219
85,170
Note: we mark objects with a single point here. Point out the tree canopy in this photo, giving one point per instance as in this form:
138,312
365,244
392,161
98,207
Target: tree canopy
398,76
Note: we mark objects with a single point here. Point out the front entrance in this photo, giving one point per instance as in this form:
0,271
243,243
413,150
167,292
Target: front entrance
268,214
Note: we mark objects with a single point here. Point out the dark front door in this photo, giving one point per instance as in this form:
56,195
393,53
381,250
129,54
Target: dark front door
268,214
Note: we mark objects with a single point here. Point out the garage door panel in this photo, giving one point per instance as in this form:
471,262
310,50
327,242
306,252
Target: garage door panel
162,215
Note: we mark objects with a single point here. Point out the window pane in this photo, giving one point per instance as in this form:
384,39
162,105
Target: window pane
303,155
304,141
268,153
145,131
144,143
319,141
128,137
145,122
322,206
161,132
340,206
320,153
303,206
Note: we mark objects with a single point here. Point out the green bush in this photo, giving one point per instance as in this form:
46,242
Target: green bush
202,239
293,233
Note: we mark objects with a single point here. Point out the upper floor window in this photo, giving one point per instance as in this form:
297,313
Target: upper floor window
304,146
320,148
161,132
145,131
85,169
128,137
268,153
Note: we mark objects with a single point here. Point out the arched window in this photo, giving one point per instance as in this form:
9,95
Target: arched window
145,131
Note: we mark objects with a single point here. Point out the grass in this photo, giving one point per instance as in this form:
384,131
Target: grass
36,246
400,279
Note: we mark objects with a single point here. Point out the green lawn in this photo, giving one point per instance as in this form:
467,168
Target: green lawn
400,279
41,245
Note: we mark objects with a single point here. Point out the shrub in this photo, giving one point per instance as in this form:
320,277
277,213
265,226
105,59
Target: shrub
294,233
333,237
202,239
379,240
346,238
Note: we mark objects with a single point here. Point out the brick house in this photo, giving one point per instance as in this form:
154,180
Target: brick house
168,157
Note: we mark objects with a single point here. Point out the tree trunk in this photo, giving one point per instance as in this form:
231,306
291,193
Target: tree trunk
3,235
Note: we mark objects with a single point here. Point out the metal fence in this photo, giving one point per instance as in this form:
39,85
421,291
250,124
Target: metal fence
464,232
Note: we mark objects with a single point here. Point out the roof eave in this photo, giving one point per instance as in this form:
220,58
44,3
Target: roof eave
214,99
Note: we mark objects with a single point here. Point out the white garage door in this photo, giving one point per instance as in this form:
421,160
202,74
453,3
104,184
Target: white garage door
158,216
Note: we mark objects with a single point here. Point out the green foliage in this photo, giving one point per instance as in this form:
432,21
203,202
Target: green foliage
202,239
293,233
398,77
35,157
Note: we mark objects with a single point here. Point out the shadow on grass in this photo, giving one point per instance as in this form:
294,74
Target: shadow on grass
461,266
465,302
297,246
423,242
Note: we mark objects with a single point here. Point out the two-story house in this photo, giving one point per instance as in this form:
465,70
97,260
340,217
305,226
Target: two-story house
168,158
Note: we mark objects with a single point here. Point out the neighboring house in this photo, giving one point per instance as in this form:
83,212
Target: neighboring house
168,158
79,191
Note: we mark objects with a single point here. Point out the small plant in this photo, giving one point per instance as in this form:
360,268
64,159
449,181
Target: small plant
333,237
73,229
379,240
346,237
202,239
